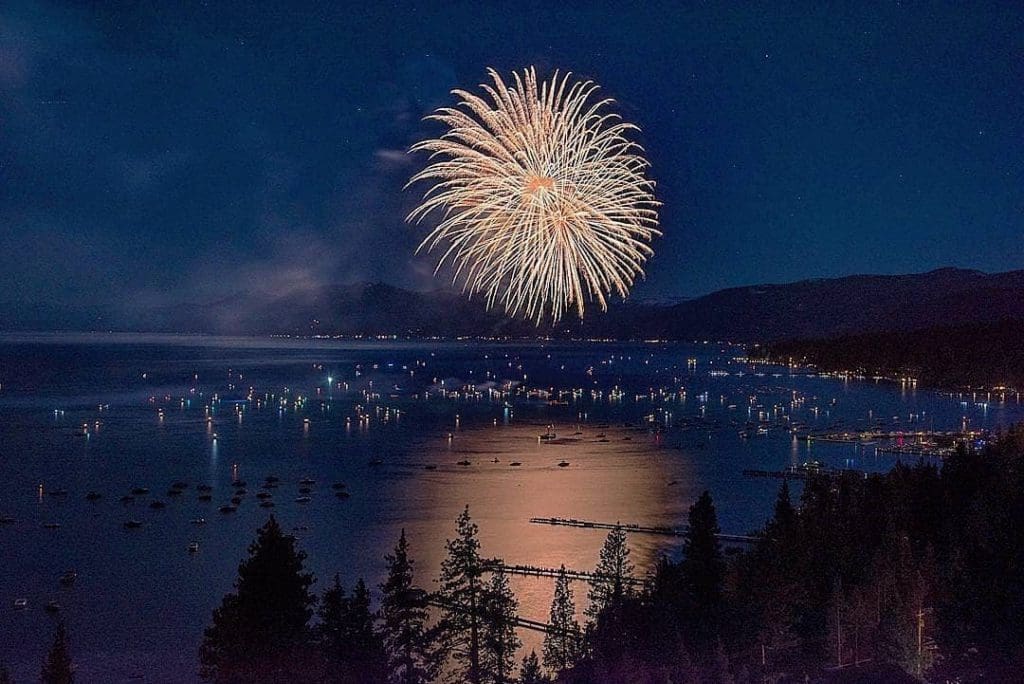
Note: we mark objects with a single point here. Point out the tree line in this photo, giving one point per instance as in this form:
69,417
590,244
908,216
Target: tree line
912,575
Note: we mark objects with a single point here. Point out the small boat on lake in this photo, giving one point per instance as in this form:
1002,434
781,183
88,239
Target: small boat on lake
303,500
563,464
226,508
132,524
20,603
68,578
93,496
193,547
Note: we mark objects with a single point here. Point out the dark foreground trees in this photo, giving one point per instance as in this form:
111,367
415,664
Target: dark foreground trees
412,656
910,575
57,668
261,630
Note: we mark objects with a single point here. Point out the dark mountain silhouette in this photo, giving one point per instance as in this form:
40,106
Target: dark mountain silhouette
758,313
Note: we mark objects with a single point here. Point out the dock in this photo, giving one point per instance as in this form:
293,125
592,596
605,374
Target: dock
638,529
576,575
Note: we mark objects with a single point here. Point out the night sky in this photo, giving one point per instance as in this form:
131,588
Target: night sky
170,152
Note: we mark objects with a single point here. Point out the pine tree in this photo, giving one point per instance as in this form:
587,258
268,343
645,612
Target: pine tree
462,594
58,669
530,672
784,520
562,642
500,642
333,614
351,644
261,629
611,577
703,570
403,613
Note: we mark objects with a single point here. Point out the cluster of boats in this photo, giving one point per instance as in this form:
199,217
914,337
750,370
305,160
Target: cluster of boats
66,579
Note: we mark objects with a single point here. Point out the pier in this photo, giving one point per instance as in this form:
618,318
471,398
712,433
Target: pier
639,529
576,575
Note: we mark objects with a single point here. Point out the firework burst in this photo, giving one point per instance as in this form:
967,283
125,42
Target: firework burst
543,201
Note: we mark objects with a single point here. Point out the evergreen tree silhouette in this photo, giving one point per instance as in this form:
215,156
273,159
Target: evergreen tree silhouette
353,648
530,672
610,583
260,632
411,656
703,570
462,595
562,642
500,641
57,668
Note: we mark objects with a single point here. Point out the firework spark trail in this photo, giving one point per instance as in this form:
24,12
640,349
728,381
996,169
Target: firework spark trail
543,200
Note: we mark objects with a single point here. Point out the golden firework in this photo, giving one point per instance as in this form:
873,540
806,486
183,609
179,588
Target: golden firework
543,200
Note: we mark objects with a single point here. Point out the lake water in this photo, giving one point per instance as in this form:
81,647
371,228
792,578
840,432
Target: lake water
644,429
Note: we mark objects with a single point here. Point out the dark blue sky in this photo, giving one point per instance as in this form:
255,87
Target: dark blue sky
178,151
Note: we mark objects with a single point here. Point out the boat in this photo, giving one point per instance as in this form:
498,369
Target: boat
52,607
7,520
20,603
547,436
157,504
430,466
51,525
174,492
238,483
204,488
305,490
93,496
227,508
463,463
515,464
563,464
263,495
235,500
266,504
342,494
179,485
306,481
338,485
193,547
139,491
68,578
132,524
495,460
271,479
303,499
376,462
205,497
198,521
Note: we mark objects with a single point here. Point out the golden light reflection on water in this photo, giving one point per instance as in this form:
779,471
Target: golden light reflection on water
626,476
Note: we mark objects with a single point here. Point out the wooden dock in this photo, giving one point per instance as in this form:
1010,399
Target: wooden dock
638,529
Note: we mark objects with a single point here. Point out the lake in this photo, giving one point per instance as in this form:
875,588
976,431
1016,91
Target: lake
642,430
